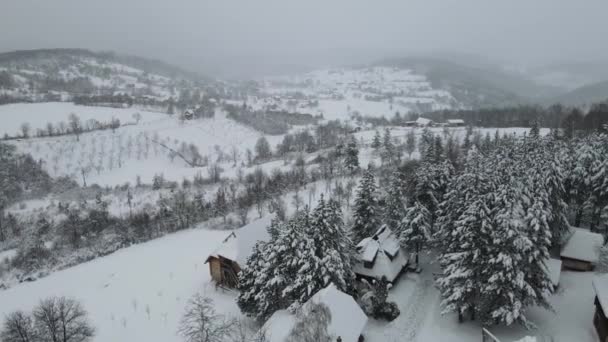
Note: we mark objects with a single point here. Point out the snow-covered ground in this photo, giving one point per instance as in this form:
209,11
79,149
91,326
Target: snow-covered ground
139,294
112,158
421,319
135,294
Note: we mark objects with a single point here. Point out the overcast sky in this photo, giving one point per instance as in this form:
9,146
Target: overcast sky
231,35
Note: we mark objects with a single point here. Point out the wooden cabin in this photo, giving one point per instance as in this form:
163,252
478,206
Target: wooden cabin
380,256
581,252
231,255
600,322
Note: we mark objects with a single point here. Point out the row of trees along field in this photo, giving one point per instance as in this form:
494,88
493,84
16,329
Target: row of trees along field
555,116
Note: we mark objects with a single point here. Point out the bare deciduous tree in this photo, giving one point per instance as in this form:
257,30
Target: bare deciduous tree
18,327
201,323
61,319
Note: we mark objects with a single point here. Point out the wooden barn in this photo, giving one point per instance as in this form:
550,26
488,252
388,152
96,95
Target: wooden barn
600,286
226,261
581,251
380,256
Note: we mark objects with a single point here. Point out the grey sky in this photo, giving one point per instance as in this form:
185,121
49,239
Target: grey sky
231,35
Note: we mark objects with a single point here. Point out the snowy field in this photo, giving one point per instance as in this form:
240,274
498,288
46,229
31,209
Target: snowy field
113,158
139,293
135,294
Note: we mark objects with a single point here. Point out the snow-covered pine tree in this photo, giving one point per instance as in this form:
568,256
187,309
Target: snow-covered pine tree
260,283
298,263
394,202
535,129
272,278
366,209
331,247
351,156
388,148
415,228
599,184
376,142
410,142
463,261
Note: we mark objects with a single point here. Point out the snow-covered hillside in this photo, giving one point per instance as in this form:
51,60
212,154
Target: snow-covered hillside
342,93
144,149
136,294
64,74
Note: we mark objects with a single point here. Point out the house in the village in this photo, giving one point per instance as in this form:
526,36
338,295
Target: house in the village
600,286
424,122
231,255
346,324
380,256
581,251
455,123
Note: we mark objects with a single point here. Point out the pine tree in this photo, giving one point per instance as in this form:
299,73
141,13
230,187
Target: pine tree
535,129
388,148
415,228
366,209
332,247
410,142
394,202
376,142
351,157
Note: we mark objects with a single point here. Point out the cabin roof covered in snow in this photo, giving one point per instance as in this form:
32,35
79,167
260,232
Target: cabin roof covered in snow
347,318
583,245
600,286
423,121
238,245
455,121
384,251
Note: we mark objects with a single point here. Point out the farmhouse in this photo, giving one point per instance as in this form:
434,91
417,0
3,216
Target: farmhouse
581,251
455,122
347,318
600,286
380,256
231,255
424,122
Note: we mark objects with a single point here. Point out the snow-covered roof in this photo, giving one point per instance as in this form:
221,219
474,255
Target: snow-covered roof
423,121
583,245
455,121
554,270
238,245
600,286
347,318
369,249
384,251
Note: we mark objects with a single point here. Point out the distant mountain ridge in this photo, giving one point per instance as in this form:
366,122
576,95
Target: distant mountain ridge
476,87
149,65
584,96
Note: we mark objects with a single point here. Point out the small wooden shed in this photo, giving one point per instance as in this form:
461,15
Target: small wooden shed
582,250
231,255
